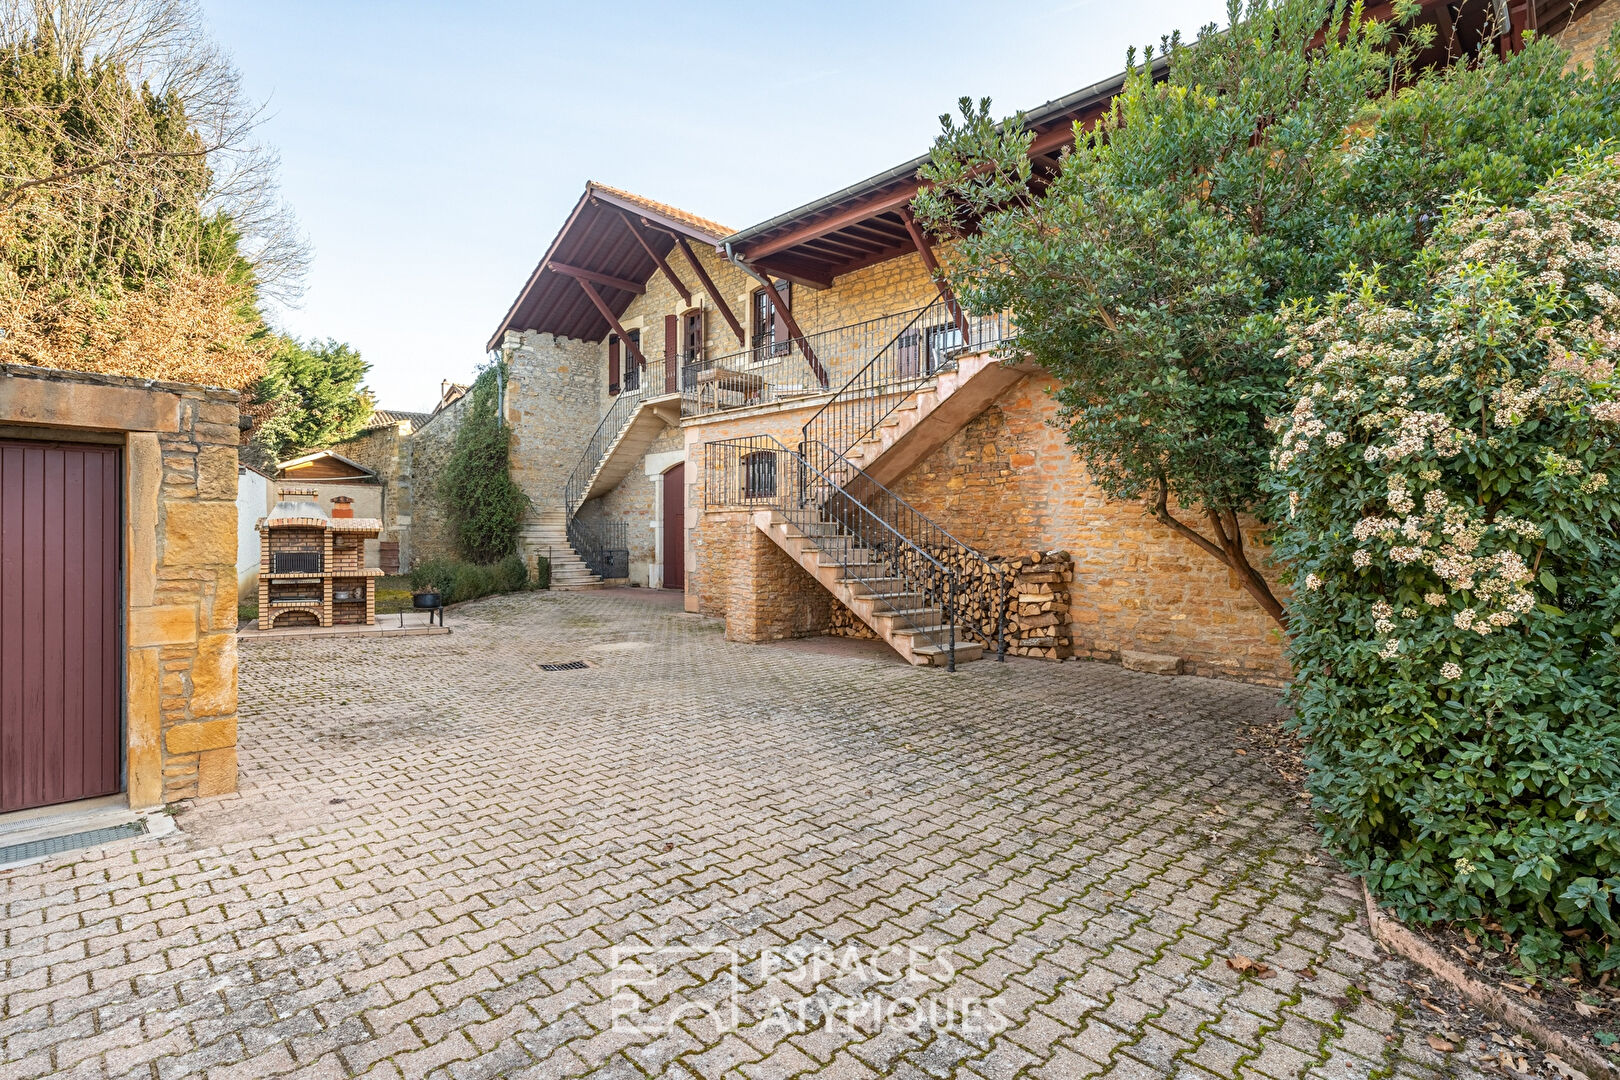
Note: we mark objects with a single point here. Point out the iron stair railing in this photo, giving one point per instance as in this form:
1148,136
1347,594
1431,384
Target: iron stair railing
929,344
604,554
905,562
649,384
602,545
971,570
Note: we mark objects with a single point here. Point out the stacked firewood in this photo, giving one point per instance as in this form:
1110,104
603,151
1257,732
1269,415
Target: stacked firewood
1037,598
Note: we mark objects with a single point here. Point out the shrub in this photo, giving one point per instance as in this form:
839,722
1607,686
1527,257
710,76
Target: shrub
456,581
1445,504
484,503
542,573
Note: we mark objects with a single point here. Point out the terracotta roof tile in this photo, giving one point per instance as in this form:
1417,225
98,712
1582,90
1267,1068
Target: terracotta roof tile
713,228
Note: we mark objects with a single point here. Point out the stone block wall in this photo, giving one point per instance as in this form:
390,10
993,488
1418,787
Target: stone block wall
554,397
1583,36
387,451
1008,482
769,596
196,582
179,447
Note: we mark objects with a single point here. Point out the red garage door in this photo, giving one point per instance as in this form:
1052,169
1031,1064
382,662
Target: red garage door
59,637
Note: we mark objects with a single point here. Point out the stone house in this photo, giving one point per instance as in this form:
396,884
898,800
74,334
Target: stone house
795,425
118,590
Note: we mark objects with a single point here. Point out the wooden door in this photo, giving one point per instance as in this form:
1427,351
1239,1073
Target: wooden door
675,527
60,651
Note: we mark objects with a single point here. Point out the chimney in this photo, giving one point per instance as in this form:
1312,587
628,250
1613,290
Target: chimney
343,507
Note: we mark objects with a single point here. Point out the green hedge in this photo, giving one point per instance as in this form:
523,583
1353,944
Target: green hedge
457,581
1450,507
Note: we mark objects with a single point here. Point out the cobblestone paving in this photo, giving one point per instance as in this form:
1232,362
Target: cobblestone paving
440,852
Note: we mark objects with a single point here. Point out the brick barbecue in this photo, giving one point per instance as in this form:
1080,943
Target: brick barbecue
312,567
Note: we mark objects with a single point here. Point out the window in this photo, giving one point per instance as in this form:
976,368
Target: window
941,340
692,336
632,369
770,332
759,475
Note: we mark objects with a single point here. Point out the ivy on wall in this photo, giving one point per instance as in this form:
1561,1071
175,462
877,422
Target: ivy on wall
484,504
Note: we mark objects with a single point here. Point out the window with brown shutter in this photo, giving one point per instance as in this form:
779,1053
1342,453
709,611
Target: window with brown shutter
771,336
632,366
613,365
692,336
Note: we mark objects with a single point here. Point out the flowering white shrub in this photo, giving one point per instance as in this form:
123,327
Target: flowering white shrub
1443,499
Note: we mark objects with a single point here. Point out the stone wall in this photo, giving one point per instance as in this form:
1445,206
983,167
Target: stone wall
386,450
1584,35
180,585
764,595
431,534
635,501
196,584
554,399
1008,482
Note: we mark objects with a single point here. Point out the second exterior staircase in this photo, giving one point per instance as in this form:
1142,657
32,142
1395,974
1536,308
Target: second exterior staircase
894,569
546,533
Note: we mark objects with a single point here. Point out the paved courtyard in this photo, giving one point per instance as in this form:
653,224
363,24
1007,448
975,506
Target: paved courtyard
700,859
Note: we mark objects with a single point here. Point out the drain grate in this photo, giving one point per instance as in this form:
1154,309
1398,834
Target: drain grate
572,665
55,845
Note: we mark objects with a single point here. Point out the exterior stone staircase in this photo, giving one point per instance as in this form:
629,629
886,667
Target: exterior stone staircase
915,628
647,421
545,533
926,419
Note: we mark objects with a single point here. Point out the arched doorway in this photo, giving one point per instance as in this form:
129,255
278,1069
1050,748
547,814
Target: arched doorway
675,527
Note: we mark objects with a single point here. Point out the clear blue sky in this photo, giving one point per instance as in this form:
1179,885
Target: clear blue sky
431,150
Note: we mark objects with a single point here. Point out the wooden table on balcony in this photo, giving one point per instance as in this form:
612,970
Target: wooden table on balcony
712,381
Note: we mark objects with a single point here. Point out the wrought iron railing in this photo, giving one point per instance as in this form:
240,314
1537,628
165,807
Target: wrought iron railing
653,381
604,546
788,368
909,564
928,344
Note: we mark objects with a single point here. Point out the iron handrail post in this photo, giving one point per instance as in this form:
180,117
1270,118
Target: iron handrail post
1001,618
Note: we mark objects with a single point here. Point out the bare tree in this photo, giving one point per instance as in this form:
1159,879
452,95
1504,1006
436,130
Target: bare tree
165,45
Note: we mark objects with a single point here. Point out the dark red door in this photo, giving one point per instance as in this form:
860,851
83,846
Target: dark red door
675,527
60,663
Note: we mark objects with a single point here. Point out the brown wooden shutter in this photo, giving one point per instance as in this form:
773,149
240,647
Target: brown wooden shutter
672,353
784,293
613,365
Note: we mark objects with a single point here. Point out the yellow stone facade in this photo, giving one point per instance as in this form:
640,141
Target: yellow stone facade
178,444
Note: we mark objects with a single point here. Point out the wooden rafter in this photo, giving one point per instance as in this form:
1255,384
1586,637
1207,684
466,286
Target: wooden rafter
708,286
926,251
612,320
784,309
680,286
579,273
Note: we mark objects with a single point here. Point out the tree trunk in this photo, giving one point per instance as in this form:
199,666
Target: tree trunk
1227,548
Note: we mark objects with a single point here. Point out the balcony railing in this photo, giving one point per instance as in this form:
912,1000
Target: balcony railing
789,368
927,345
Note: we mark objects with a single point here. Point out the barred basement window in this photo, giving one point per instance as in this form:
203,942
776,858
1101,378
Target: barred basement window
759,475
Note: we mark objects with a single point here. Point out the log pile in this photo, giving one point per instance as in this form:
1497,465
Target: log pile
845,623
1037,598
1038,584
